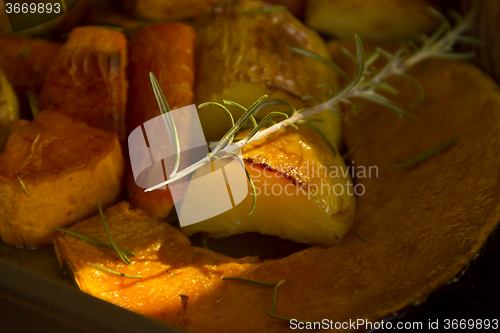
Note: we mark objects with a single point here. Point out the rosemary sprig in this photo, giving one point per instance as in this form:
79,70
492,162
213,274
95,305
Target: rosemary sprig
364,85
252,185
427,154
91,240
169,121
229,278
115,246
107,270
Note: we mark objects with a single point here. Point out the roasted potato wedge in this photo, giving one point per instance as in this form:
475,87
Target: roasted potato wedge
9,109
50,172
304,192
242,56
371,19
88,80
166,50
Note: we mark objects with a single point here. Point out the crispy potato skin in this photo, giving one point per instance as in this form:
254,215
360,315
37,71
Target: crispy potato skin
71,163
26,61
164,258
166,50
168,10
88,80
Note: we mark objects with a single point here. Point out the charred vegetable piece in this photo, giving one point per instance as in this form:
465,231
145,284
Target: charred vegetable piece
304,192
242,55
49,174
167,10
371,19
164,260
88,81
9,109
166,50
26,61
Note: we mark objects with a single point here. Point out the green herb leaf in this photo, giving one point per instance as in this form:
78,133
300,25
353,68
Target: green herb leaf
242,109
91,240
249,281
311,54
250,181
273,102
286,319
426,154
169,121
107,270
115,246
264,121
276,295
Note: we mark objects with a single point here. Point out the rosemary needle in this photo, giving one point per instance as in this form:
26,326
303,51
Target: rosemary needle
249,281
287,319
91,240
115,246
107,270
276,295
426,154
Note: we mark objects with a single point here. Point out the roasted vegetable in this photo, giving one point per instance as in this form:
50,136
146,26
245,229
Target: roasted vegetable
163,258
371,19
422,224
167,10
304,192
243,55
26,61
50,172
88,81
9,109
166,50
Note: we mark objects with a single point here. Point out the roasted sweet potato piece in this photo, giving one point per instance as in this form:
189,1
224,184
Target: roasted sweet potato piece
88,81
167,10
167,50
164,259
26,61
50,173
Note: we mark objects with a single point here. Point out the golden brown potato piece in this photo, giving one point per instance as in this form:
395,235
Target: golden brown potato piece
164,259
50,173
9,109
304,192
167,10
88,81
166,50
242,56
423,223
371,19
26,61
